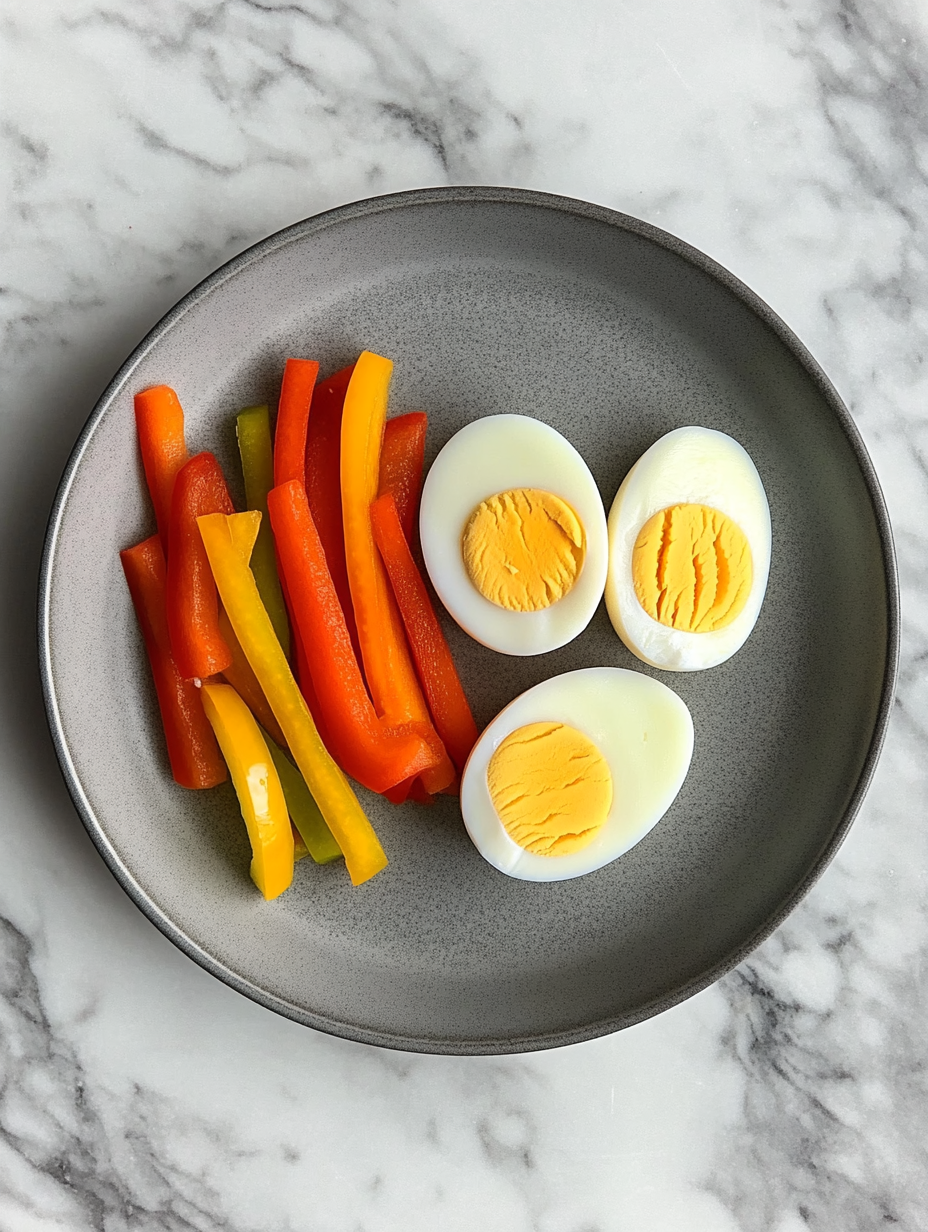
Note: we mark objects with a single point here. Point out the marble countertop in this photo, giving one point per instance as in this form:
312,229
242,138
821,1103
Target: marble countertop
145,142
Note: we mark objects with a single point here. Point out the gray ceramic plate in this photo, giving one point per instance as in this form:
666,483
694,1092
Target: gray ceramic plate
494,300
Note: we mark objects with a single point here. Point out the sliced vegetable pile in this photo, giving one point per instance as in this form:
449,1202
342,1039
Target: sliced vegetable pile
320,572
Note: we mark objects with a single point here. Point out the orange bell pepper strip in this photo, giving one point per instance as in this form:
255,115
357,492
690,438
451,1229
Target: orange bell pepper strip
364,856
192,605
253,432
364,748
159,420
434,663
296,395
390,673
401,463
323,484
257,786
192,749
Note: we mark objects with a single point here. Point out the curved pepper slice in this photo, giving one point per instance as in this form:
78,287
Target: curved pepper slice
401,462
192,605
362,746
253,430
364,856
257,786
434,663
159,420
192,749
388,666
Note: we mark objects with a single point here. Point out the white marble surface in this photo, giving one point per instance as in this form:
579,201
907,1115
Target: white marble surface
144,142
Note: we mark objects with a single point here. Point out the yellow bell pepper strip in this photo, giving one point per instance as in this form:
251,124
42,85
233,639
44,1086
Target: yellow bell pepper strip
304,811
257,786
253,429
243,680
364,856
388,665
245,531
300,850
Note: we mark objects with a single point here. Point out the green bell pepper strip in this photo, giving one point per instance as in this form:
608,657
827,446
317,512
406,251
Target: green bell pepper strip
253,428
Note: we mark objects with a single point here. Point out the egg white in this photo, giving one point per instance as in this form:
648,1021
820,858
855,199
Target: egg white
492,455
643,730
687,466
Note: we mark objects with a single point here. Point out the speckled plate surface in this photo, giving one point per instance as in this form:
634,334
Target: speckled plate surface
493,300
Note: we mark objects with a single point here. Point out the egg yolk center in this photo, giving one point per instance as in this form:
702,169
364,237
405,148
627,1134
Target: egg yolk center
523,549
692,568
551,788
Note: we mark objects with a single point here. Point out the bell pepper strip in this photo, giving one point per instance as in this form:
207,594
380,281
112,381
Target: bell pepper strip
300,850
400,793
439,677
304,679
296,394
245,536
257,786
159,420
401,463
418,793
192,749
364,856
243,680
364,748
244,529
192,605
253,429
308,821
388,666
323,484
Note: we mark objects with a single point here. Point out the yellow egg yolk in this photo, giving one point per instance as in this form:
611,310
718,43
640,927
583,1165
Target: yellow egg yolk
523,549
551,788
692,568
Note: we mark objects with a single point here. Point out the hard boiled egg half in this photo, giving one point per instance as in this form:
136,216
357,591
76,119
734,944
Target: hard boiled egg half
574,772
689,551
513,535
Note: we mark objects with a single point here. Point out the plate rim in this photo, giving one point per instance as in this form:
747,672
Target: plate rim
414,198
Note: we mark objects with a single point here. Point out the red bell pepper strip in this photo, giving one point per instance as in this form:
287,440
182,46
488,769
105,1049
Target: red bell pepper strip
304,679
159,420
323,485
401,462
361,744
192,748
434,664
296,394
192,602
